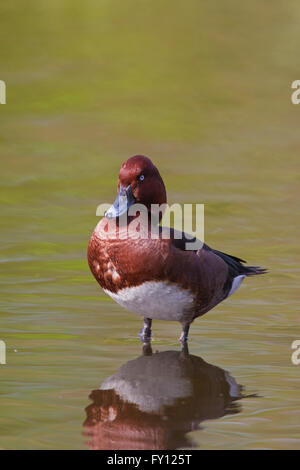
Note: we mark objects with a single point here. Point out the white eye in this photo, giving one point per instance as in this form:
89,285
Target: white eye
141,178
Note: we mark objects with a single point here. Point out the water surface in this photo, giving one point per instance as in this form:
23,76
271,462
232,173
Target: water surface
204,90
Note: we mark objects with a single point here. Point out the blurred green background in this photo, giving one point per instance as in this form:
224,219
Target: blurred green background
204,89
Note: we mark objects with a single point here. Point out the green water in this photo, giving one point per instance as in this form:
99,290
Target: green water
203,88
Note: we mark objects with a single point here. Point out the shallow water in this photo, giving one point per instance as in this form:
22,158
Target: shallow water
205,92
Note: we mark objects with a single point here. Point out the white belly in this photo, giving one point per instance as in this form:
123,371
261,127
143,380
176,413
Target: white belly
237,281
158,300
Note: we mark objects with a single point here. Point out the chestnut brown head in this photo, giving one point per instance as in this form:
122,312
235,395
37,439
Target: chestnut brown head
139,182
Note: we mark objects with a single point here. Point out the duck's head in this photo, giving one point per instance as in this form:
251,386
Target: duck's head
139,183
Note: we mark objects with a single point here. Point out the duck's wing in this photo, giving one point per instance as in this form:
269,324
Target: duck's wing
212,274
235,265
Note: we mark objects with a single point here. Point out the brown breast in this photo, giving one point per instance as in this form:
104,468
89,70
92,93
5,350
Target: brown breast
117,263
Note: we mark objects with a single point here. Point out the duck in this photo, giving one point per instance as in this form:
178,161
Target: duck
157,277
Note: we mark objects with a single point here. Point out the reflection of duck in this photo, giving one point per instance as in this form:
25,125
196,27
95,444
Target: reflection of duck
153,401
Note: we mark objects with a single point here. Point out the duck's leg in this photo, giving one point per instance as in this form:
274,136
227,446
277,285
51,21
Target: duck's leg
185,333
146,333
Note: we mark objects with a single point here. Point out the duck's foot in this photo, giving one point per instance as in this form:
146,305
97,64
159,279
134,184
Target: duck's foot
147,349
184,353
146,333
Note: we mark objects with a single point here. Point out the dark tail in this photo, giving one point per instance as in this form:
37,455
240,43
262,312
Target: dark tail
253,270
235,265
